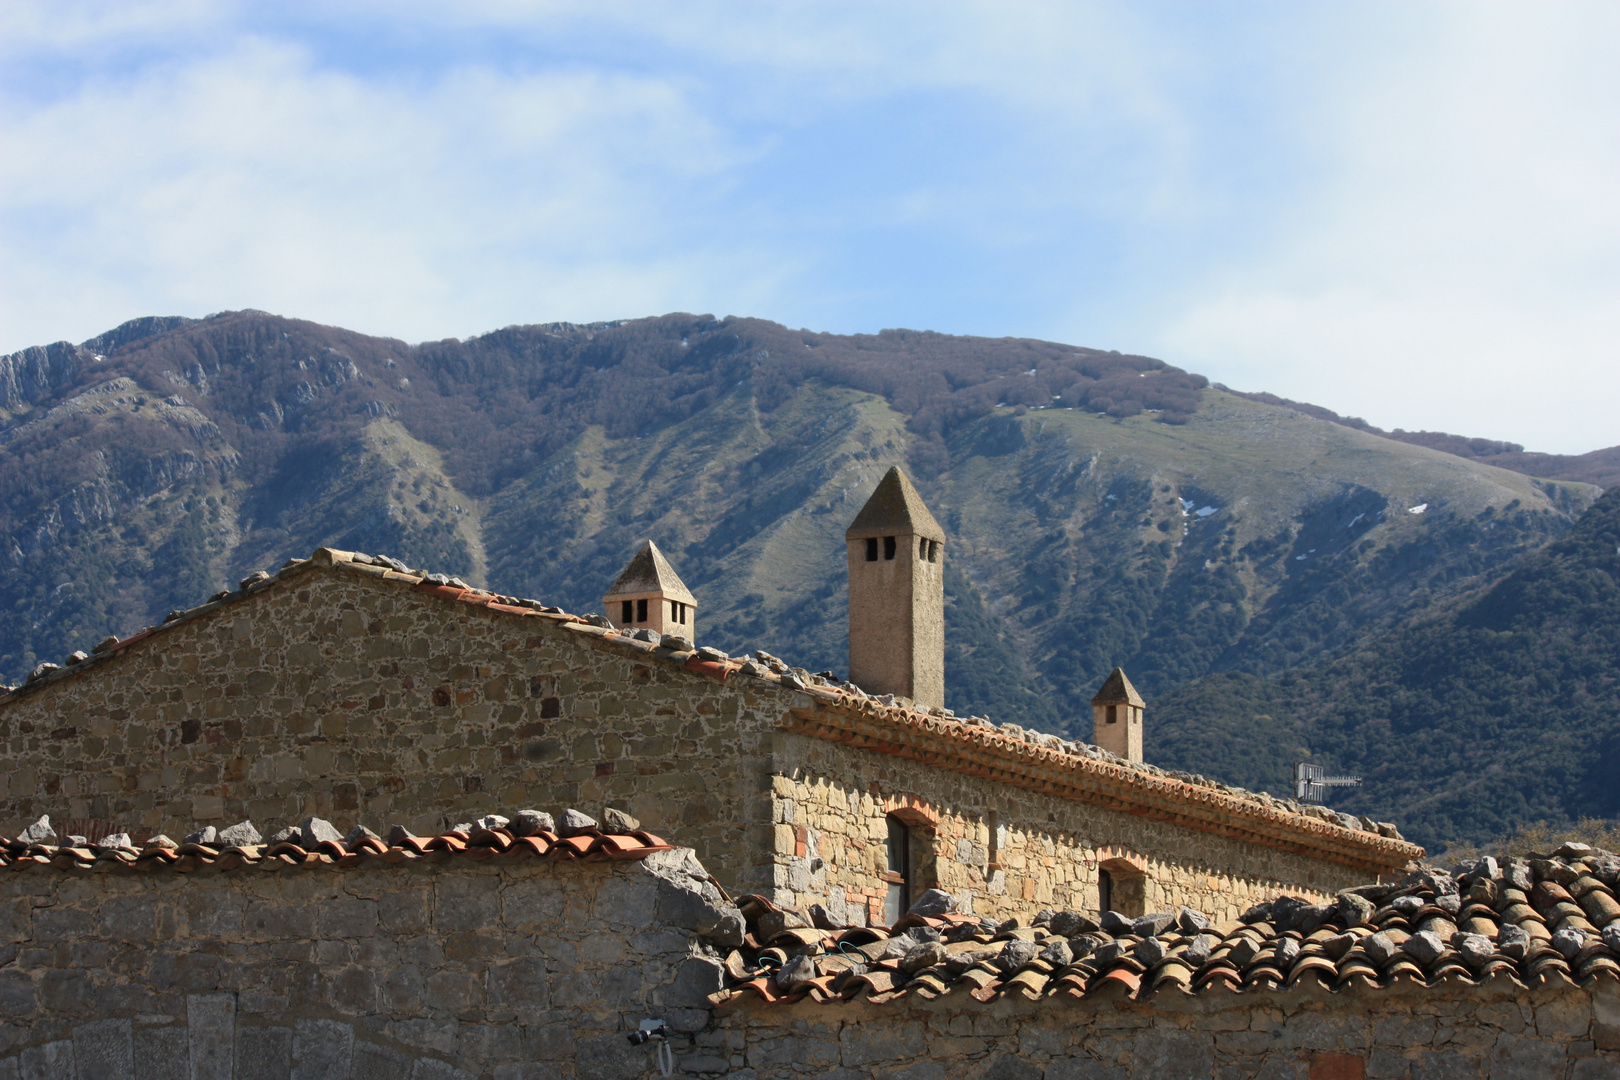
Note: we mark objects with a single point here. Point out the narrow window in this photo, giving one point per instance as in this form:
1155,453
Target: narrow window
898,901
641,611
933,551
888,547
871,549
627,612
922,550
680,614
992,822
1105,891
1113,714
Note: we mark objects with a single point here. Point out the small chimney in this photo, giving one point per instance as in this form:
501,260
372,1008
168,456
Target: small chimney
1116,712
897,595
650,595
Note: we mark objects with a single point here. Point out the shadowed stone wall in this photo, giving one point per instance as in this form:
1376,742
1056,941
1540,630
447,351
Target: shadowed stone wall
529,970
1454,1031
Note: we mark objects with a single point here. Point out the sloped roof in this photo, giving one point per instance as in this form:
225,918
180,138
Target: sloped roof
650,572
1524,921
1117,690
895,509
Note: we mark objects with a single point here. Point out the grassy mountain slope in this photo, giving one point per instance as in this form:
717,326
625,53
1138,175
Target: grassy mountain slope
1497,707
1100,508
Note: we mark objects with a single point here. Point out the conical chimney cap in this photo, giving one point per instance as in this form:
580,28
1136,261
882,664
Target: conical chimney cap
895,509
1117,690
650,572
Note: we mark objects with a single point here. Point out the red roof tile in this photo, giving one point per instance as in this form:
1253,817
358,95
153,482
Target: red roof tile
498,843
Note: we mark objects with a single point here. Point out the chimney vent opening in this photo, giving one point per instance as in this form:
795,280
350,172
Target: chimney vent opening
641,611
627,611
871,549
889,547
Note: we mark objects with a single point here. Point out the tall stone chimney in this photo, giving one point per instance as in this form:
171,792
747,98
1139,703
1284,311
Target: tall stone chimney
650,595
1116,717
897,595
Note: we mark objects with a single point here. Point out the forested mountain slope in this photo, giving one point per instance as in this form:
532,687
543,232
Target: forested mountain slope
1493,709
1101,509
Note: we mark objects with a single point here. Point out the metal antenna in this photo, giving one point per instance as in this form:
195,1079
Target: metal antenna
1311,782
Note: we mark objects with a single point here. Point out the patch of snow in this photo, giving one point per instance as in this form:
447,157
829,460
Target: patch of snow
1205,511
1299,558
1418,509
1186,505
1355,519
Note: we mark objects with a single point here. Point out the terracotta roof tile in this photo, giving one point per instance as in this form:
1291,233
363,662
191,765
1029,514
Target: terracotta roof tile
497,843
1273,947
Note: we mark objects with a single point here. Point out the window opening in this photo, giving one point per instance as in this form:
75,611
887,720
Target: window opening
627,612
993,821
888,547
1113,714
922,550
641,611
1122,887
933,551
898,900
871,549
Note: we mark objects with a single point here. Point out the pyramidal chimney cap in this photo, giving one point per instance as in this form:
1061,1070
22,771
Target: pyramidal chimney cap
895,509
650,572
1117,690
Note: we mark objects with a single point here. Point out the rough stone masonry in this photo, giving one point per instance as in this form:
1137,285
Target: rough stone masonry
493,964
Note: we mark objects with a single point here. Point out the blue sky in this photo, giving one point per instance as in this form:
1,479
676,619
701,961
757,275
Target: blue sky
1408,212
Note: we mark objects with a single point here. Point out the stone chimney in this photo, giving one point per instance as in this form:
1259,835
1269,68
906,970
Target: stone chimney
897,595
1116,717
650,595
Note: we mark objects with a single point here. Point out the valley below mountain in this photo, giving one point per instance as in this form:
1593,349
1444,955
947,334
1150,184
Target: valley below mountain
1279,584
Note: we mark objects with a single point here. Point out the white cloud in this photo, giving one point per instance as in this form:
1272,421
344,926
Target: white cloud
1459,270
1384,209
253,177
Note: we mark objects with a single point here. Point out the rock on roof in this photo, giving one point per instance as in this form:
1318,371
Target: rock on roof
1526,920
895,509
1117,690
650,572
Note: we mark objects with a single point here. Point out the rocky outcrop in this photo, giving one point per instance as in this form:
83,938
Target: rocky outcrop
29,376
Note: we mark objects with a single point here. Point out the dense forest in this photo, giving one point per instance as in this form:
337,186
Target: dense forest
1498,708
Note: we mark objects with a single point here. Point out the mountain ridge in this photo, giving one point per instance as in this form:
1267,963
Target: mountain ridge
1100,508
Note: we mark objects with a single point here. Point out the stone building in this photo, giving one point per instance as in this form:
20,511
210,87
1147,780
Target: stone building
352,688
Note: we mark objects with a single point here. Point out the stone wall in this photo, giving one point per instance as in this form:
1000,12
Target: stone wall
830,803
1453,1031
336,694
527,970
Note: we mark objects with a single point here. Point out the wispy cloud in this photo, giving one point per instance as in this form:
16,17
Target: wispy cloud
1383,208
